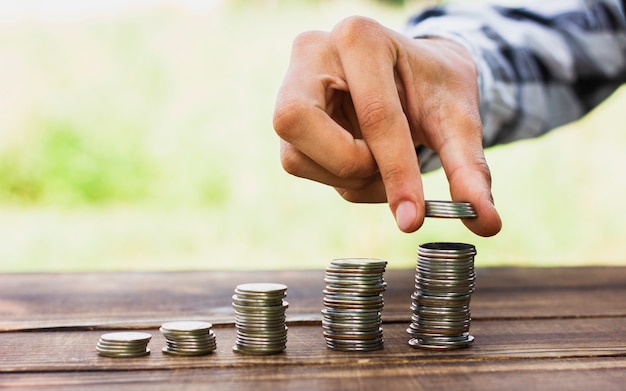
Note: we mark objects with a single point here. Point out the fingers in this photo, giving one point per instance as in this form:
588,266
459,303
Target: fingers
312,88
355,102
468,174
451,126
298,164
368,56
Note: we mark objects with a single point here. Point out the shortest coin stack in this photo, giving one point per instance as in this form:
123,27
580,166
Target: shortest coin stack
188,338
124,344
260,318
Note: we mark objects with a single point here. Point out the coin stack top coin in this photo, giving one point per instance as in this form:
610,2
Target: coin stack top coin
188,338
444,282
124,344
450,209
260,318
353,302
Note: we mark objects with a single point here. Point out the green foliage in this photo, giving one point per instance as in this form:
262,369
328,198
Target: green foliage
62,164
144,141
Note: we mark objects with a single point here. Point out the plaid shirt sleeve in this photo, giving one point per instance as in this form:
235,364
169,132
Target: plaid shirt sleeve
540,66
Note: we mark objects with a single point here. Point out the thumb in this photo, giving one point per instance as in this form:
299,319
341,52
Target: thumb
470,180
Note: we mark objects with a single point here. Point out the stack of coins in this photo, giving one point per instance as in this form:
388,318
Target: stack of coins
188,338
260,318
444,282
353,303
449,209
124,344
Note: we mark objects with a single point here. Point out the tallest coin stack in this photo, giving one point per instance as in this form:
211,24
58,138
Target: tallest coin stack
444,283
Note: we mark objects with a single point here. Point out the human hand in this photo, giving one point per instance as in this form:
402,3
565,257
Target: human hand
357,100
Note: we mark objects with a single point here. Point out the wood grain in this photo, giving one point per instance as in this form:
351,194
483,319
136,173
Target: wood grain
495,341
572,374
544,329
31,301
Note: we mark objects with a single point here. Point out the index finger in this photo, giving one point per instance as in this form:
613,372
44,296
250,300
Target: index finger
368,55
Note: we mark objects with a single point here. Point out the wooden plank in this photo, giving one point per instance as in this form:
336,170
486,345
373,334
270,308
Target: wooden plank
495,341
29,301
571,374
138,299
503,293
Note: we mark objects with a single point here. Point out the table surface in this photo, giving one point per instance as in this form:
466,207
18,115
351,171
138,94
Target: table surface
534,328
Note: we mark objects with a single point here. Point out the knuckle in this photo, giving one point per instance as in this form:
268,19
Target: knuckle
351,195
348,195
354,28
288,117
476,164
290,160
370,190
483,168
348,169
374,114
392,174
308,40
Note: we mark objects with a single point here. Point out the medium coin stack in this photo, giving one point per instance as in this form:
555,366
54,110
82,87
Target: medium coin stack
450,209
353,301
260,318
188,338
124,344
444,283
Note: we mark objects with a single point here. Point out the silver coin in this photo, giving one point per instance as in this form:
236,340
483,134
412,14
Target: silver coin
123,354
379,288
190,339
186,327
418,343
449,250
124,345
261,335
186,354
354,346
126,337
449,209
334,270
256,351
261,288
364,263
247,325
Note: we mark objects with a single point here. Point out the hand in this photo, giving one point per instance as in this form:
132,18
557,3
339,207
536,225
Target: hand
357,100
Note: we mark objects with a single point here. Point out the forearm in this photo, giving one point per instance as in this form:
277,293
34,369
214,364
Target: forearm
540,66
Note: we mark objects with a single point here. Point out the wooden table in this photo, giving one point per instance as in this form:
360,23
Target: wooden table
561,328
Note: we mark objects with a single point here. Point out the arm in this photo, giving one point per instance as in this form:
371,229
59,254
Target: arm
540,66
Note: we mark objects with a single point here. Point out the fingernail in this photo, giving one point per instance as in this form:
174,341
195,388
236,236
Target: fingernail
405,215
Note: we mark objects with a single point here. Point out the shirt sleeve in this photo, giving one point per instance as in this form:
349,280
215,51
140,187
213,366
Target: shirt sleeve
539,66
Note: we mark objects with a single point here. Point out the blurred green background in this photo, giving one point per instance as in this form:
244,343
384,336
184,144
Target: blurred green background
138,136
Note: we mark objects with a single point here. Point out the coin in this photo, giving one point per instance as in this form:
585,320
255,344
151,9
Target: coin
449,209
186,327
